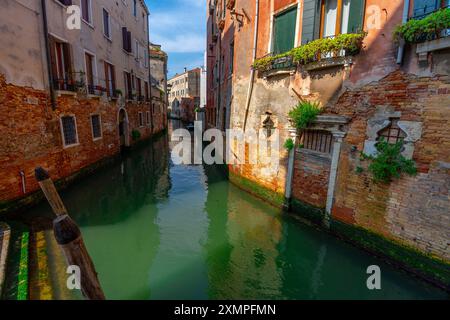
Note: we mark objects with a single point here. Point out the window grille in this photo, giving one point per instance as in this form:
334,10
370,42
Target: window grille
317,140
69,130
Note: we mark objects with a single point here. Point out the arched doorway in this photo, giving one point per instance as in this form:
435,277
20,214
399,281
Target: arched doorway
124,134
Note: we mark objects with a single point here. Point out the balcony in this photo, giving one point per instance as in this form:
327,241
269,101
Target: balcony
65,85
318,54
95,90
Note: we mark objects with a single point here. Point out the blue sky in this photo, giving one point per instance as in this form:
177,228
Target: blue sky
180,27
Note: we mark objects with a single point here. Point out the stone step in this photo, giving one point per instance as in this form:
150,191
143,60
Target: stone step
5,234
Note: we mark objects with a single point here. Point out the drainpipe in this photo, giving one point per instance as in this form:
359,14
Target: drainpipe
252,73
22,176
47,55
401,49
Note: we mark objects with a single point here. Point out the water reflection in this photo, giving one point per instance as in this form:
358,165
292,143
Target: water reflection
155,231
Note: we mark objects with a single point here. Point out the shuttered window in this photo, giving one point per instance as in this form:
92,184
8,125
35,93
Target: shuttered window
327,18
284,31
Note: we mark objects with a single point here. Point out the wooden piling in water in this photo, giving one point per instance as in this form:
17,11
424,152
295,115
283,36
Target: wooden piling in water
69,238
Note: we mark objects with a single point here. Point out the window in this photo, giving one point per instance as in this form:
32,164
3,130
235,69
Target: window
147,114
66,2
86,11
328,18
231,57
141,119
126,38
139,88
284,31
317,140
106,24
110,76
90,60
61,65
136,49
128,85
135,8
96,127
146,91
69,130
392,134
422,8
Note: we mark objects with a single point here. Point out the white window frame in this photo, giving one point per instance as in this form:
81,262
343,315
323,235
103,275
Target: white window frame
66,146
274,13
92,126
109,24
95,73
91,20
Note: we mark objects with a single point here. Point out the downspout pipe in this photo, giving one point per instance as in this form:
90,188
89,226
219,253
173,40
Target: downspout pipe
47,55
150,74
401,48
252,73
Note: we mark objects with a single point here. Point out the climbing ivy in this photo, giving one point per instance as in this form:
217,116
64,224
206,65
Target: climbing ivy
389,164
428,28
304,114
136,135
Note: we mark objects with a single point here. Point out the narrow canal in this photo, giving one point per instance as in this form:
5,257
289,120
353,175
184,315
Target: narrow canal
159,231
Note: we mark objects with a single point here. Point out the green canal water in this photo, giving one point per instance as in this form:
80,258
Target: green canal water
159,231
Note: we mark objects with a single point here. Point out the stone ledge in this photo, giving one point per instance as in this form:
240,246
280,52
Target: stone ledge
328,63
433,45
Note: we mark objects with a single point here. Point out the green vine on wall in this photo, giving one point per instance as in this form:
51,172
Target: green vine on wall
428,28
351,43
304,114
389,164
136,135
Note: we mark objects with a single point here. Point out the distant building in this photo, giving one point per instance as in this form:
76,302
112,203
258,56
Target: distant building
185,85
158,79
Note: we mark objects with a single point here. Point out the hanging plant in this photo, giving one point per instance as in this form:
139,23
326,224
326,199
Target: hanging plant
428,28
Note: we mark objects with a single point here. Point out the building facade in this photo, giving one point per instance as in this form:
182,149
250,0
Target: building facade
185,85
158,90
385,89
73,93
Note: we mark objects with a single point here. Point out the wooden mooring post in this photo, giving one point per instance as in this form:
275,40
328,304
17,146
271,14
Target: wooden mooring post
69,238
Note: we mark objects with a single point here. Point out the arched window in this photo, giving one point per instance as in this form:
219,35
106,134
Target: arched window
392,134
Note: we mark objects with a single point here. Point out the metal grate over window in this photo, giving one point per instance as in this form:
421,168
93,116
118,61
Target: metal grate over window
96,129
69,130
392,134
317,140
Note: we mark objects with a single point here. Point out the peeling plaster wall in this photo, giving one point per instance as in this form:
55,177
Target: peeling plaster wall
21,56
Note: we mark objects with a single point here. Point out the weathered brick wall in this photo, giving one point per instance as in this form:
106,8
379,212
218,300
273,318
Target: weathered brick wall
412,210
31,136
310,180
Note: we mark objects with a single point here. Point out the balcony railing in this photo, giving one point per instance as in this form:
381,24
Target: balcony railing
96,90
64,85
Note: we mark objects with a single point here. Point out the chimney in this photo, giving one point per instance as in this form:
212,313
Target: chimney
185,69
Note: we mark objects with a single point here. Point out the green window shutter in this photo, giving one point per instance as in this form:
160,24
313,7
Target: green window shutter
311,20
284,31
356,16
425,7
